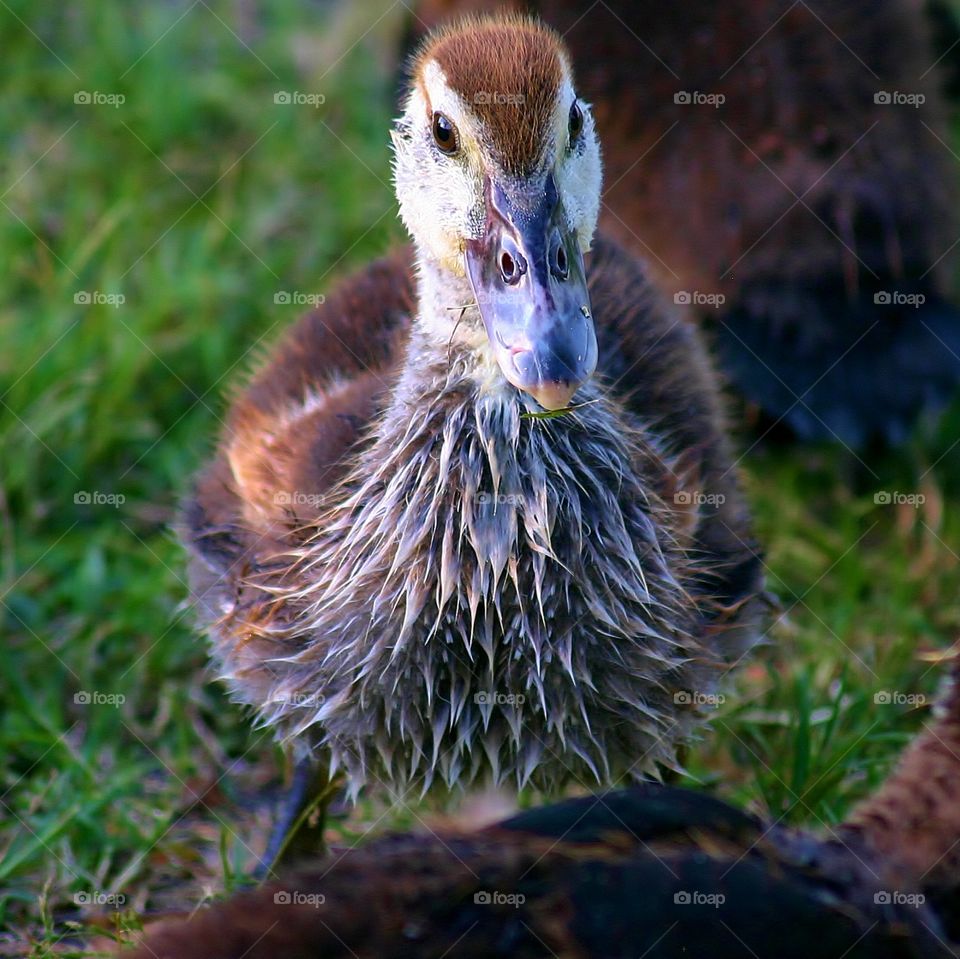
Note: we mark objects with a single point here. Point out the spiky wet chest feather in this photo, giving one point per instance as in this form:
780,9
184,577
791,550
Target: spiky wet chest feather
491,578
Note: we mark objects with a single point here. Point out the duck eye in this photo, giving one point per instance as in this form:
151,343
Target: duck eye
575,123
445,134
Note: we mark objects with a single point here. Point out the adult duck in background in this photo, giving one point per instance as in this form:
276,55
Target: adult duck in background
653,871
434,549
786,170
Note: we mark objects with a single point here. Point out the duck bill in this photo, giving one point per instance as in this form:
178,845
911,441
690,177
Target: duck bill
527,275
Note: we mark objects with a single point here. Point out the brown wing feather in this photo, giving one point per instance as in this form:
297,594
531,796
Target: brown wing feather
288,434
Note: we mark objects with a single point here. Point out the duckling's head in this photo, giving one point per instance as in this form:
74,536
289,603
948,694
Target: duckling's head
497,171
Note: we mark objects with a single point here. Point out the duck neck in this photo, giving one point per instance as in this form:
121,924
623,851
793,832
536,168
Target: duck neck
448,324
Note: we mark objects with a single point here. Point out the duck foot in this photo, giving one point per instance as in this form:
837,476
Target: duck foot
299,827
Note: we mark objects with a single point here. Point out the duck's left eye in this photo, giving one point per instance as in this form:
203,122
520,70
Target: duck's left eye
445,134
575,123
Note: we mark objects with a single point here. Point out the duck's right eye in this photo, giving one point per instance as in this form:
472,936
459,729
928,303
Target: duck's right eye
445,134
575,122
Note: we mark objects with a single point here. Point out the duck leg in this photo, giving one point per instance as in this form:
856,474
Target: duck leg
299,826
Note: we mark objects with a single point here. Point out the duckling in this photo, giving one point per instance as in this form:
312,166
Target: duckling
434,549
785,169
651,870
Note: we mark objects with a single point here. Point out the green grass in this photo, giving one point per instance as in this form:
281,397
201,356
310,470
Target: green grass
198,199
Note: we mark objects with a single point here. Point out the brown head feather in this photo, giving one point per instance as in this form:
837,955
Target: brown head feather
513,95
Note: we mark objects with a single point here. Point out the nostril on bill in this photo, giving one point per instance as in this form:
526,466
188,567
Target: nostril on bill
511,262
559,265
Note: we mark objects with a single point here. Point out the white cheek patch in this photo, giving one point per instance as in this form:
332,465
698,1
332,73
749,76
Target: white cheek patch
438,196
579,173
579,181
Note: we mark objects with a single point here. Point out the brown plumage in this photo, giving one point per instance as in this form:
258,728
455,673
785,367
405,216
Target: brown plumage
516,106
409,568
788,190
913,821
238,517
648,871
